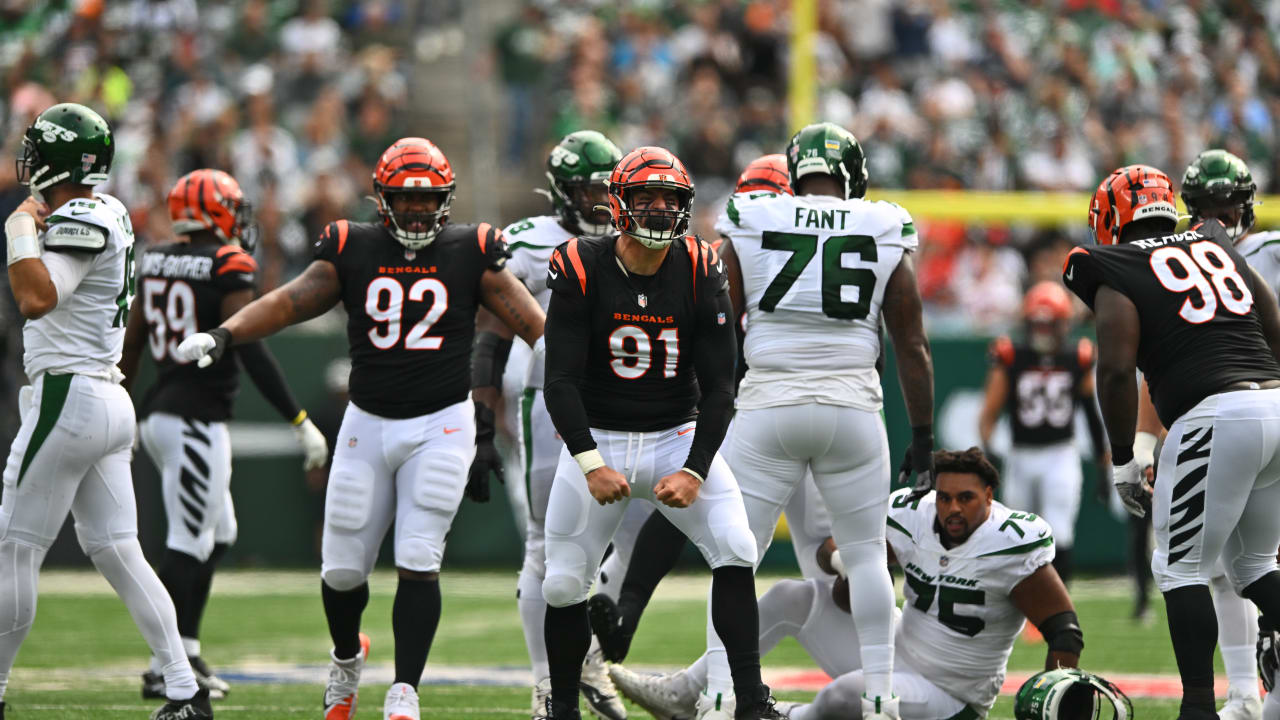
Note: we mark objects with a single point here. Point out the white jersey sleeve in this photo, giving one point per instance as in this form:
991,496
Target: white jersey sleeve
1262,252
84,334
958,623
530,242
814,272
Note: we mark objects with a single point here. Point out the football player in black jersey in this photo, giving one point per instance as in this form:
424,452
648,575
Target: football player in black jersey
1040,381
639,382
187,287
410,285
1204,329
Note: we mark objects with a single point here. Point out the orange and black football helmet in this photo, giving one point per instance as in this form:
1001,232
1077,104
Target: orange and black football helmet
1046,310
767,173
211,200
650,167
413,165
1133,192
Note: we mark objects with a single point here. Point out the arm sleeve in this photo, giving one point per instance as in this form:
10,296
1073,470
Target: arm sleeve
66,270
567,333
714,355
1080,275
269,378
1092,414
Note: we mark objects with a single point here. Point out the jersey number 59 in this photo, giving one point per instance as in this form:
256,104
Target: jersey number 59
170,310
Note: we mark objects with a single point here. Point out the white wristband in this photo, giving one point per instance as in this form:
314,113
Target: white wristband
837,564
695,475
589,460
1144,447
23,242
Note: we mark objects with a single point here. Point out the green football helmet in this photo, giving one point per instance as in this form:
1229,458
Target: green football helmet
578,173
67,143
1217,179
1069,694
828,149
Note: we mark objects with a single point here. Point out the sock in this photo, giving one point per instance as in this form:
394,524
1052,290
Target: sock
149,604
414,618
191,646
737,622
1062,563
180,574
1237,633
19,566
533,614
662,542
1193,628
342,608
567,633
189,626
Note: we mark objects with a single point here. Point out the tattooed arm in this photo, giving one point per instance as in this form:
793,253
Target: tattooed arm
310,294
507,298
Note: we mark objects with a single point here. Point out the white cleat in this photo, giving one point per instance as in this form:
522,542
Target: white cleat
666,697
877,709
598,689
786,709
1241,706
718,706
541,692
401,703
341,693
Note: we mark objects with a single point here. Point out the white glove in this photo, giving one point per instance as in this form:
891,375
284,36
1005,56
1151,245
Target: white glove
197,348
315,449
535,372
1144,451
1131,486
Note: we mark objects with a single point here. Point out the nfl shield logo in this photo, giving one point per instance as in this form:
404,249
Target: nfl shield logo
352,442
943,561
410,254
643,300
720,319
87,160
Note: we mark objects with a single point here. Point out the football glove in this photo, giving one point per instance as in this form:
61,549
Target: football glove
1132,488
487,459
315,449
919,459
1268,657
204,348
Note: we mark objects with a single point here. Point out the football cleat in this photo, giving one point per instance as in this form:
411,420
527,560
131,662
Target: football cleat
717,706
541,693
879,709
787,709
666,697
153,684
562,712
606,622
341,693
401,703
195,707
218,688
598,690
1241,706
760,707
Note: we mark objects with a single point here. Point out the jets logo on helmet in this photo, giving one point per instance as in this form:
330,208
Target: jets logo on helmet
650,167
828,149
1130,193
767,173
66,143
411,174
578,170
1070,694
212,200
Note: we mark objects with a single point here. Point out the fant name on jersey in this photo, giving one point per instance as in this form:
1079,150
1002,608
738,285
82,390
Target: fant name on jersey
958,623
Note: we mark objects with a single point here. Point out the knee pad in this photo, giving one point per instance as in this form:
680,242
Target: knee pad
348,502
1246,569
343,579
421,531
535,556
444,479
563,590
92,544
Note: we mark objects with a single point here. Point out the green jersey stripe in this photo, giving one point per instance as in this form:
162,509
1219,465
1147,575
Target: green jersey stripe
1045,541
53,397
526,427
894,524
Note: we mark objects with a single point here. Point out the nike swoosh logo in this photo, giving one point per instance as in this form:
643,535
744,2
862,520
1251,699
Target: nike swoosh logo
1071,272
1043,533
685,431
553,274
79,212
449,431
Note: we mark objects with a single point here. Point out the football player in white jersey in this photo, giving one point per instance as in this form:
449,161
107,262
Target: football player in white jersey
71,272
975,571
814,272
578,171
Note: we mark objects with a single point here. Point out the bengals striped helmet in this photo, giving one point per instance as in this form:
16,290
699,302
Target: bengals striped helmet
211,200
767,173
412,167
1133,192
651,168
1046,301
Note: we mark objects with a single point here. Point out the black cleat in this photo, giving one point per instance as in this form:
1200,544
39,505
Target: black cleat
557,711
760,707
218,688
152,686
195,707
606,622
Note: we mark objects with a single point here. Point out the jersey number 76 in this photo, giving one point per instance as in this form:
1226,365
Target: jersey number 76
835,276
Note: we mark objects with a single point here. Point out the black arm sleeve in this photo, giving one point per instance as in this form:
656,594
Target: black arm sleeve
269,379
1097,433
714,355
567,334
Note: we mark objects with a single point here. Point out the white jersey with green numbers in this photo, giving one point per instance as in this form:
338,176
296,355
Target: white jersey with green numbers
84,334
814,272
1262,251
958,623
530,242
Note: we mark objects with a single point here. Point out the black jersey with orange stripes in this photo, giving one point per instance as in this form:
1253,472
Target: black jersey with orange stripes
1044,389
643,330
1200,331
410,313
182,286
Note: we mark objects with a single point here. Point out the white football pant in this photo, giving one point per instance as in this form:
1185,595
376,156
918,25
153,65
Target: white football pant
194,459
1046,481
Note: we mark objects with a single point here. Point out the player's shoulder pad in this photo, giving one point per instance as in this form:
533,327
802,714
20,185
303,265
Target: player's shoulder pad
1085,354
334,237
905,512
66,234
233,259
566,269
1002,351
1016,533
741,207
893,224
536,231
705,263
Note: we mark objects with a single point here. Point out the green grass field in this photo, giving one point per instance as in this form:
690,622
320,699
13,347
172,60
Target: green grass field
83,657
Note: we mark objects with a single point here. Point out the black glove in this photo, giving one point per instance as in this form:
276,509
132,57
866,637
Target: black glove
919,459
1268,654
487,459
